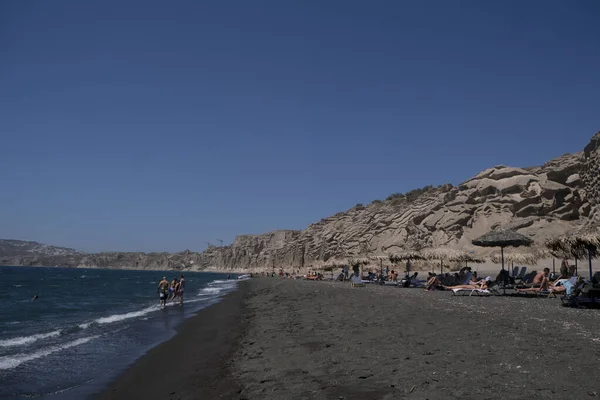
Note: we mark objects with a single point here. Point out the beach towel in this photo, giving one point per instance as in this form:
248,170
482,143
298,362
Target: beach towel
470,292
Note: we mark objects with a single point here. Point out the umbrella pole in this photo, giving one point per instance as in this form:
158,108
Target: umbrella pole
590,259
576,267
441,266
503,276
553,266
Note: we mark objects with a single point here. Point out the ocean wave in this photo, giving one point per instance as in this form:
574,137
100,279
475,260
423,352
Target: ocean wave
133,314
85,325
22,340
210,290
217,282
13,361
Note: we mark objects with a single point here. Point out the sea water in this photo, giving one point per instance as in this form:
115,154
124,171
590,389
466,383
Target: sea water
87,325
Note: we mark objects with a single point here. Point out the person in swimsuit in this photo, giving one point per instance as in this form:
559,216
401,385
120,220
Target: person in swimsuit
163,291
172,289
181,290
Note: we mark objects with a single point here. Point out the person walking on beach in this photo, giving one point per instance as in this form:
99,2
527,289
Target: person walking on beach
181,290
172,289
163,291
175,289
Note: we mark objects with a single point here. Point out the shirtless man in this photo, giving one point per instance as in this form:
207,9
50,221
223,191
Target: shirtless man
543,286
163,291
539,278
181,290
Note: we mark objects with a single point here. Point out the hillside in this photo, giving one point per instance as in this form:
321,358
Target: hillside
537,201
25,253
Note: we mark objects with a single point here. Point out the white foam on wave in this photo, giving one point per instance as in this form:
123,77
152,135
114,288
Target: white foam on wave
13,361
22,340
85,325
133,314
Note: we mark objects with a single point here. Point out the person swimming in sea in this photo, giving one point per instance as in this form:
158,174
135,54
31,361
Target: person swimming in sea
35,297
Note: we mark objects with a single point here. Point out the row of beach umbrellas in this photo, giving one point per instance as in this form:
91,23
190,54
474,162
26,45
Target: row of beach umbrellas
578,245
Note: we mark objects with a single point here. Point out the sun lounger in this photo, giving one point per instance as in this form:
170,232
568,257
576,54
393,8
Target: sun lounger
515,272
521,274
471,292
357,284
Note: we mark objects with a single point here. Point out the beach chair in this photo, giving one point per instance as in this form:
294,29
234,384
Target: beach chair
521,274
515,272
526,280
357,284
493,288
471,292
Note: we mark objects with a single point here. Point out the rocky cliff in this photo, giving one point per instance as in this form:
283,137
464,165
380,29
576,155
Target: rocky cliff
591,177
541,201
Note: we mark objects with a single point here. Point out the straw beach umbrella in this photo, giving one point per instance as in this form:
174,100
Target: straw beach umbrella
562,247
446,254
336,262
580,245
407,255
502,238
526,256
589,239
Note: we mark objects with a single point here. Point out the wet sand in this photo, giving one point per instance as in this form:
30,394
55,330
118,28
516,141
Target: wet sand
192,365
325,340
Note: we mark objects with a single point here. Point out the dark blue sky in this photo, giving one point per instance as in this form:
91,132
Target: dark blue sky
153,125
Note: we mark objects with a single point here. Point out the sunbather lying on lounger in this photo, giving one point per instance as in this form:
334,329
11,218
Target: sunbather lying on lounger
482,285
543,286
433,282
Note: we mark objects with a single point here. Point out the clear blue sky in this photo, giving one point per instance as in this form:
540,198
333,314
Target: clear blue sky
153,125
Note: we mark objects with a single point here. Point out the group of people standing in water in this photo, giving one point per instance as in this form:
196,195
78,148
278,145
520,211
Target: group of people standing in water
169,291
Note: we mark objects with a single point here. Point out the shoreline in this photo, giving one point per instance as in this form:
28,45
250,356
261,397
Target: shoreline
279,338
193,363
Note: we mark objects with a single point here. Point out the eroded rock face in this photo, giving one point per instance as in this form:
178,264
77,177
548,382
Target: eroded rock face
540,201
590,176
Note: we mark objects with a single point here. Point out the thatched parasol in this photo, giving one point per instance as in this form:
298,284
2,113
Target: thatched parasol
359,261
406,255
474,258
502,238
529,256
446,254
561,247
582,244
336,262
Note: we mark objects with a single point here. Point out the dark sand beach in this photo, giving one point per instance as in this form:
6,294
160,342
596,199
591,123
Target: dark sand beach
282,339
